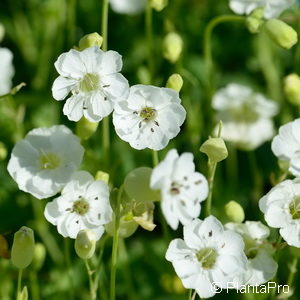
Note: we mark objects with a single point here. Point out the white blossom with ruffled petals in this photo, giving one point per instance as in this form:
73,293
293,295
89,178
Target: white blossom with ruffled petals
45,160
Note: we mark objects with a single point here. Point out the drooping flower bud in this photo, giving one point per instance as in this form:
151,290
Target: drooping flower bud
100,175
89,40
281,33
85,129
23,248
175,82
234,212
215,149
292,88
255,20
39,256
85,243
159,5
172,46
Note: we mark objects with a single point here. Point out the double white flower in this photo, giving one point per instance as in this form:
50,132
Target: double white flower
45,160
208,257
83,204
281,207
150,117
182,189
93,79
246,116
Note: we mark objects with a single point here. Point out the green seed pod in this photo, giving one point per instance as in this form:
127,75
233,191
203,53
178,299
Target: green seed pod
39,256
292,88
234,212
85,129
172,46
281,33
215,149
23,248
85,244
89,40
159,5
175,82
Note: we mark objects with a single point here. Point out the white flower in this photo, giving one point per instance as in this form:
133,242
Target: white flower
286,145
208,254
272,8
246,116
182,189
44,161
93,78
261,266
7,70
281,207
129,7
150,117
83,204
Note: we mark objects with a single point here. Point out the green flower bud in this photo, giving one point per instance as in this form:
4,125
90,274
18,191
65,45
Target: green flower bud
85,129
292,88
39,256
175,82
234,212
3,151
85,243
23,248
172,46
255,20
100,175
89,40
281,33
215,149
24,294
159,5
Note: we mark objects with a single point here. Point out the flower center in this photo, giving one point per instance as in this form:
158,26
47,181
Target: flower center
295,208
245,113
80,207
89,82
148,113
207,257
49,161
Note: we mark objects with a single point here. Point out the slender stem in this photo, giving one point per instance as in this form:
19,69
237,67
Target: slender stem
155,159
104,23
211,175
293,271
91,282
114,254
69,269
194,295
149,35
19,283
35,291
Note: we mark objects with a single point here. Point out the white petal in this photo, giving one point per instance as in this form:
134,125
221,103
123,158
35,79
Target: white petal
62,87
73,107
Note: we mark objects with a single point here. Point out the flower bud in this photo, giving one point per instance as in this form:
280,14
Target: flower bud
3,151
39,256
234,212
89,40
23,248
175,82
281,33
215,149
85,129
159,5
255,20
100,175
85,243
172,46
292,88
24,294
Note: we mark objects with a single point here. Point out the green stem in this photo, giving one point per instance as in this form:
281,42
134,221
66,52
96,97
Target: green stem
35,291
149,35
91,282
69,269
114,254
293,271
155,159
19,283
104,23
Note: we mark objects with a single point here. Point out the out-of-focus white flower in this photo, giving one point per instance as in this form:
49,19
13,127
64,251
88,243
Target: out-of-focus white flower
281,207
208,258
7,70
261,266
150,117
128,7
93,78
45,160
272,8
246,116
182,189
286,145
83,204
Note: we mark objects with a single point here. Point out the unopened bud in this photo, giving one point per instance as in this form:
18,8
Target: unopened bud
159,5
39,256
175,82
234,212
89,40
85,244
172,46
100,175
292,88
23,248
3,151
85,129
281,33
24,294
255,20
215,149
